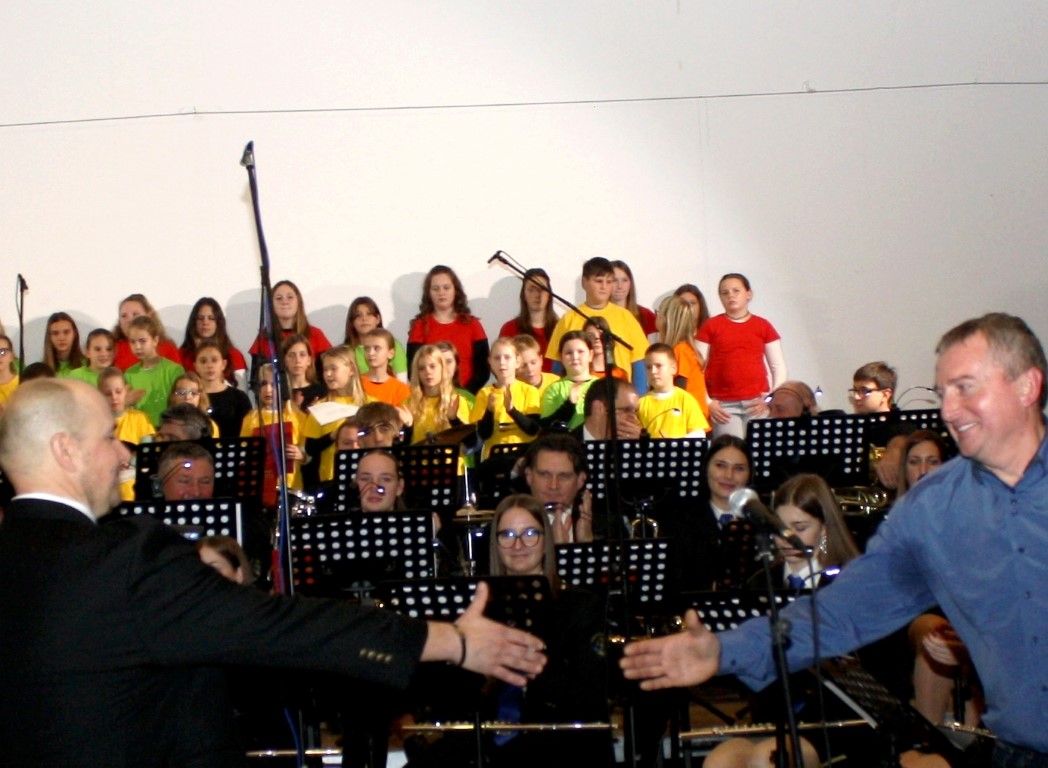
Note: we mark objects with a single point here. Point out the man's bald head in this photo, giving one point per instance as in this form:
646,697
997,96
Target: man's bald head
57,437
37,411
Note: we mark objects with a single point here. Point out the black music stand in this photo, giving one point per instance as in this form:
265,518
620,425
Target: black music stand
721,611
239,466
646,565
524,602
430,473
900,726
676,462
195,518
335,555
833,447
495,475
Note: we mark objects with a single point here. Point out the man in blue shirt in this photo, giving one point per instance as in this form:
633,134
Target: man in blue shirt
972,538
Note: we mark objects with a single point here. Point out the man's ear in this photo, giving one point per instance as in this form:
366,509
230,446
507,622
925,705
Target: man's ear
1030,384
65,453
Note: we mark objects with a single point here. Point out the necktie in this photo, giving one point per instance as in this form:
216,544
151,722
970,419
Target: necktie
794,581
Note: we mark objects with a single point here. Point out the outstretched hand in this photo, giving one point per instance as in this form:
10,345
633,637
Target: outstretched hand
497,650
687,658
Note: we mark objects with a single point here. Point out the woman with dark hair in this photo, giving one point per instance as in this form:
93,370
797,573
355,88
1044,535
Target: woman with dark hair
289,319
229,405
207,322
716,544
443,315
624,293
301,371
806,505
131,307
923,452
597,329
362,317
536,317
692,296
62,344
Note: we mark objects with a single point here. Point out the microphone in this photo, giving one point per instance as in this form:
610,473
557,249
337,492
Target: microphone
496,257
22,284
746,502
248,158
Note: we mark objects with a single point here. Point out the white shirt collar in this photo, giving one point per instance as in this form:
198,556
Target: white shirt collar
77,505
809,574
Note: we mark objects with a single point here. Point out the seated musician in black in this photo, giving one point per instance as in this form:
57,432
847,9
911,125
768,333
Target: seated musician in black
806,504
574,690
713,545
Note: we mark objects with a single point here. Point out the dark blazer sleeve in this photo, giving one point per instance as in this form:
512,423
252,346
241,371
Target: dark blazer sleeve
186,614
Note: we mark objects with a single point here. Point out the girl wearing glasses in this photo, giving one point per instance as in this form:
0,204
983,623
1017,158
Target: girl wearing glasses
8,376
572,687
189,388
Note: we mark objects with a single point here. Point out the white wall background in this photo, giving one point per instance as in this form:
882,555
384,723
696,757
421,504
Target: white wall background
878,169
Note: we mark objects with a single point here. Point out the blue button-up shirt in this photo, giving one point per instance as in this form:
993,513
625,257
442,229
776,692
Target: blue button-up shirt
960,538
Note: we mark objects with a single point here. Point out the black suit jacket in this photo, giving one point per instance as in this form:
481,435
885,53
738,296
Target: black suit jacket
107,631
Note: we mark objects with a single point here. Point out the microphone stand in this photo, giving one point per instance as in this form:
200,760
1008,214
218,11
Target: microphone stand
613,505
23,289
780,634
500,256
282,581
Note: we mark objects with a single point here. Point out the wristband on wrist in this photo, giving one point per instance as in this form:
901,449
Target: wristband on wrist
462,642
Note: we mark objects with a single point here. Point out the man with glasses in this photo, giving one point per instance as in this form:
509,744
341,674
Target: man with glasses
555,471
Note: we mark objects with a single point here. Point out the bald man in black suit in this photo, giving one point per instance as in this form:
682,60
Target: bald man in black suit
108,631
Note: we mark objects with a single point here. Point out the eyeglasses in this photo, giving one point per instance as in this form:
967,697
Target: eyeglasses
529,537
862,393
187,392
5,352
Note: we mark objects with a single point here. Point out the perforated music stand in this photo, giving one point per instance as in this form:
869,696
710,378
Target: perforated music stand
721,611
646,566
523,602
430,475
195,518
338,554
900,725
239,466
924,418
494,476
678,462
833,447
739,542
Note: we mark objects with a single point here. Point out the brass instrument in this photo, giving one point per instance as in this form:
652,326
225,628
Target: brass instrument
862,499
644,527
875,456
